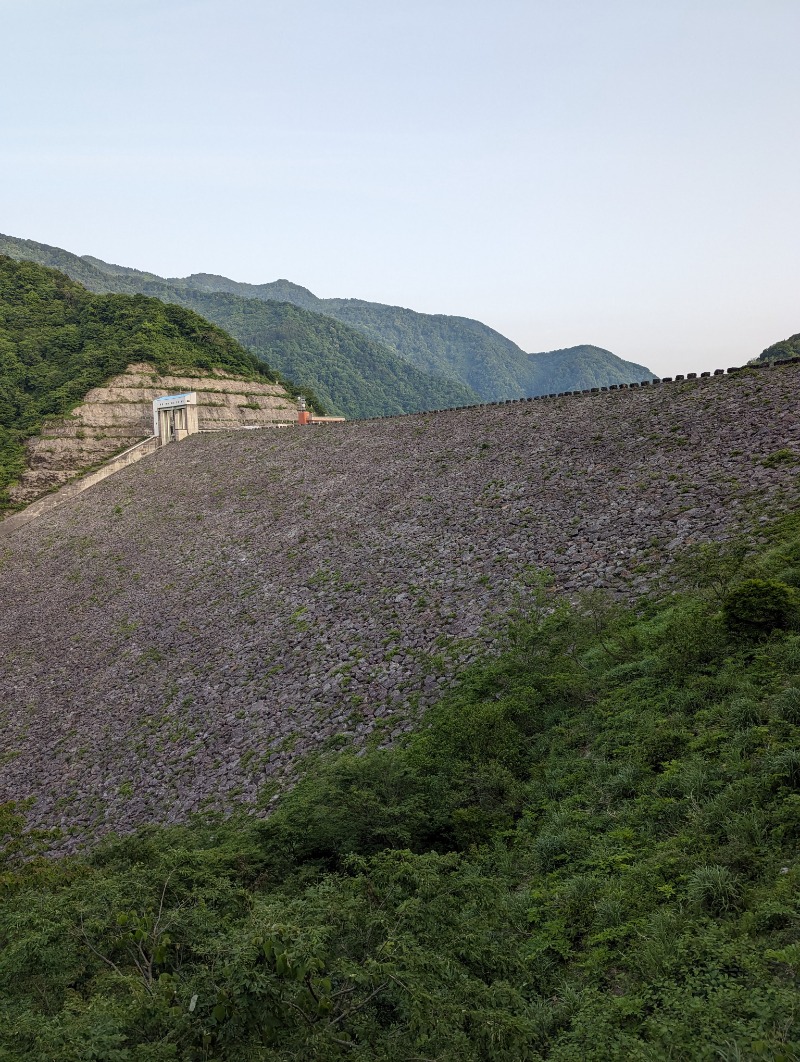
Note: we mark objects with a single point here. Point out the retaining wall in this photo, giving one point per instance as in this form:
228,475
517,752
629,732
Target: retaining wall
119,414
51,501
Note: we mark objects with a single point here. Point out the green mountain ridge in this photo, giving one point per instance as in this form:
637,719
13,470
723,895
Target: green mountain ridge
464,361
351,374
456,347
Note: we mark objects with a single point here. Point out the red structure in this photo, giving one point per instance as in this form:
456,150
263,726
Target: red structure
305,416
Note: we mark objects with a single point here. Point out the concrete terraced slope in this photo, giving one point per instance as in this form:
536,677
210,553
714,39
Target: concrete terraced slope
179,636
58,342
119,414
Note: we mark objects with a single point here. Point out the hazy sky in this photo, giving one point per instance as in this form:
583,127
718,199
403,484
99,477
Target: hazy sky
618,172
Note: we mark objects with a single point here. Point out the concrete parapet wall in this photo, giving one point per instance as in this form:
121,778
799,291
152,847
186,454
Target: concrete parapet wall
77,486
756,366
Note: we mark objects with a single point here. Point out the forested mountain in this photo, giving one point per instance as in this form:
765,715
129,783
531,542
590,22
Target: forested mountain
58,341
786,348
484,364
578,368
456,347
350,373
482,358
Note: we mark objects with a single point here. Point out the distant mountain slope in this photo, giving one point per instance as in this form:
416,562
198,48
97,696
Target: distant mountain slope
579,368
483,363
58,341
349,372
57,258
785,348
455,347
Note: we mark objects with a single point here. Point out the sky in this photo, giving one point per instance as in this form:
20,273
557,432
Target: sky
615,172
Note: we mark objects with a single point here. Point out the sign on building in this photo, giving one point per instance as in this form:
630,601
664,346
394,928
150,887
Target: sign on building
175,416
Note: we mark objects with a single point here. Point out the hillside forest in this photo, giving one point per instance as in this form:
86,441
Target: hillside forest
58,340
588,851
785,348
362,358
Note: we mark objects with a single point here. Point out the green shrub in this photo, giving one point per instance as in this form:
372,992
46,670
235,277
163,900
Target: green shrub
787,704
747,711
780,457
714,889
786,766
756,607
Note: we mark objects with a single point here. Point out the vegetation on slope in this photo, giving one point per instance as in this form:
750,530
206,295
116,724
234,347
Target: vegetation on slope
84,272
351,374
492,365
461,360
456,348
58,340
786,348
588,852
579,368
451,346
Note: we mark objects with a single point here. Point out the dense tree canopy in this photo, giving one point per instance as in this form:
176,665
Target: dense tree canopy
786,348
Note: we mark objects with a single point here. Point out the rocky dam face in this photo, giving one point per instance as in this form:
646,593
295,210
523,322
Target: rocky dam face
178,637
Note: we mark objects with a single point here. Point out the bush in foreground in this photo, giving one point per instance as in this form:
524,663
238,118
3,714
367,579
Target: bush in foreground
588,852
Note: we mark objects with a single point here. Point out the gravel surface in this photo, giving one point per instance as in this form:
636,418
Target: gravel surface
177,637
